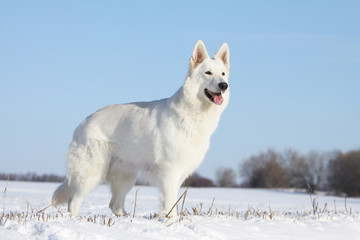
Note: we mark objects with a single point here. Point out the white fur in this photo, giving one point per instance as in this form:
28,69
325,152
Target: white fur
165,140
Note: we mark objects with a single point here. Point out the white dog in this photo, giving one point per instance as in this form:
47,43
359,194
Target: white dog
165,140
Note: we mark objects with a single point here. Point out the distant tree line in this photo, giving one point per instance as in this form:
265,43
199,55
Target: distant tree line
32,177
195,180
334,172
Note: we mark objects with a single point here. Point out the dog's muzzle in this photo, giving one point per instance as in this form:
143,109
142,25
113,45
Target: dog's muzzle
223,86
214,97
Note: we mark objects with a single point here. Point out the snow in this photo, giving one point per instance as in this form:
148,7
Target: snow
235,214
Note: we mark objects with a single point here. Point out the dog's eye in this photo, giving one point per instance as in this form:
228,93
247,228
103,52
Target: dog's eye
223,73
208,73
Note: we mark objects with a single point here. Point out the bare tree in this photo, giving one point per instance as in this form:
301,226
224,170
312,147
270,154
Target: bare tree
344,173
297,168
225,177
317,170
287,169
195,180
265,170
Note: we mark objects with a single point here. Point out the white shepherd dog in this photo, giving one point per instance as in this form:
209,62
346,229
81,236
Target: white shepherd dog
165,140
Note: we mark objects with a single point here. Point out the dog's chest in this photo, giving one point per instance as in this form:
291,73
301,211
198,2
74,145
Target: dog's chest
190,136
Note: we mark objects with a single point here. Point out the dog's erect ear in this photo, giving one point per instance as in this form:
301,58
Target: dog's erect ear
199,55
224,55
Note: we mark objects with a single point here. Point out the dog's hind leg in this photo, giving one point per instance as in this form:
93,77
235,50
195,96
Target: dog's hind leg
80,187
86,167
120,184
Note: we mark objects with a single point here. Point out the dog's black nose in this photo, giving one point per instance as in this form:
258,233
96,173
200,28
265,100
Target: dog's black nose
223,86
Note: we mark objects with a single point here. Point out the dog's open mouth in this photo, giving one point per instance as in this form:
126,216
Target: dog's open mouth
214,97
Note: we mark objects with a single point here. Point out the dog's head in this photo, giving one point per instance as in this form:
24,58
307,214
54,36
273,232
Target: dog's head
210,75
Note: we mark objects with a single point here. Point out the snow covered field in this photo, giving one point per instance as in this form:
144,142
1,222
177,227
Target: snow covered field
235,214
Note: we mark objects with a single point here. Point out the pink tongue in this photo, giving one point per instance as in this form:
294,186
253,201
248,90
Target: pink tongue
218,99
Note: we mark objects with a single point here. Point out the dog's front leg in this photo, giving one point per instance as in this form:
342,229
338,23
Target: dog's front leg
168,190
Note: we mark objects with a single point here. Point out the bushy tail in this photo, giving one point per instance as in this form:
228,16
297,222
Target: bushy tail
62,193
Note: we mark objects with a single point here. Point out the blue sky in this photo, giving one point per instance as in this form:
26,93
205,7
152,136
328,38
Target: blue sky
295,72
